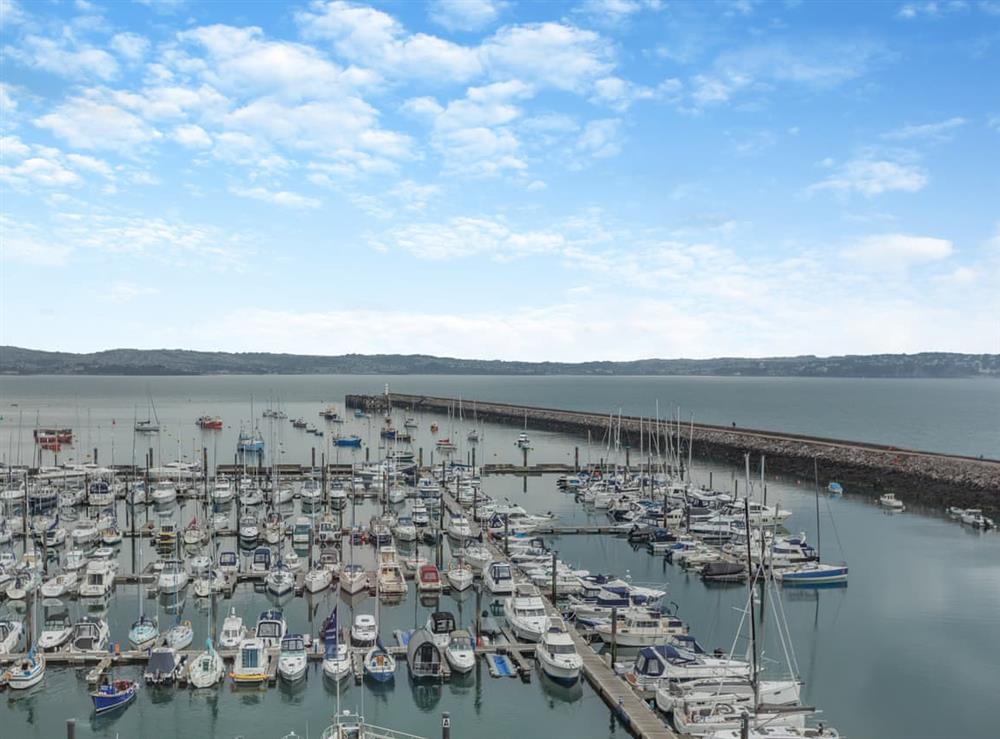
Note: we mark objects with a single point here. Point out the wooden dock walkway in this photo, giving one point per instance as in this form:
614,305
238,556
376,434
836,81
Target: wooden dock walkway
641,720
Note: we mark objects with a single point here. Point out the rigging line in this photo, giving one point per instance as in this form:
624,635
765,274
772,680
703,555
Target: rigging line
833,525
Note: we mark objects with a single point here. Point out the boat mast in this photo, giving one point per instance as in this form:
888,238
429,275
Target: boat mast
753,618
816,486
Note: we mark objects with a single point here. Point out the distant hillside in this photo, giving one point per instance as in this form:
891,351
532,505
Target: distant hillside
15,360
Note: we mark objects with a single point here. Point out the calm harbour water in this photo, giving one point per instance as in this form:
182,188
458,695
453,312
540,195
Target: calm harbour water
907,650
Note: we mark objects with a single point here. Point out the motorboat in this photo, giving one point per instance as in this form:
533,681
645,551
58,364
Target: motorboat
209,582
439,625
405,529
271,627
10,635
90,634
364,631
683,661
525,613
461,651
498,578
173,577
424,655
302,532
98,580
260,563
429,579
233,631
459,528
76,559
222,491
974,517
738,692
249,530
250,665
318,578
229,563
193,534
292,661
640,627
476,556
58,586
353,579
891,502
557,655
56,632
327,532
161,668
207,668
390,578
164,493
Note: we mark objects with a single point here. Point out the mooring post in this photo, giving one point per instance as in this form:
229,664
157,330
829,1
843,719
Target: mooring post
313,464
445,726
553,576
473,460
614,636
710,480
71,728
576,459
95,455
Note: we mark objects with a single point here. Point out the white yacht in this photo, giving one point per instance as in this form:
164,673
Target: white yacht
292,661
557,653
233,631
640,627
461,651
498,578
525,613
173,577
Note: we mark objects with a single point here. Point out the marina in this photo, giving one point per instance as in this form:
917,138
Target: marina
570,508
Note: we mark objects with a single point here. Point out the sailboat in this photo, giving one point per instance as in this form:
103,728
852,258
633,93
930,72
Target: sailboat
207,668
379,664
145,630
151,424
816,572
336,657
27,672
523,442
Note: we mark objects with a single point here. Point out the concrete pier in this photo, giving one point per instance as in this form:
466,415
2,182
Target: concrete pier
925,478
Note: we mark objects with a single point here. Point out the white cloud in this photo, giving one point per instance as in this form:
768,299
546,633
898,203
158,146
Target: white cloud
42,171
813,63
940,131
93,124
64,57
126,292
91,164
25,249
191,136
960,276
555,55
873,177
464,15
899,251
277,197
130,45
465,236
241,60
368,36
931,9
601,138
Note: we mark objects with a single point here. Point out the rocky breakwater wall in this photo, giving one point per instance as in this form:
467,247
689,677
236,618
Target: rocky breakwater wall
922,478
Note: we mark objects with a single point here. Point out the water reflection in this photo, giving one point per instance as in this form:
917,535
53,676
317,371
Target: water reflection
560,692
426,694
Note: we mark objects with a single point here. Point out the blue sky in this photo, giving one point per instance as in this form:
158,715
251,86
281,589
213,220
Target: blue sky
606,179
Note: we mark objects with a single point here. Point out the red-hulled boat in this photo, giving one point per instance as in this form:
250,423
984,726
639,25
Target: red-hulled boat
213,423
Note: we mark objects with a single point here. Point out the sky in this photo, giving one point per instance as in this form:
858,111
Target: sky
597,179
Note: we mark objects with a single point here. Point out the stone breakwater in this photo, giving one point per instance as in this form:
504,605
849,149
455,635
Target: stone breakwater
923,478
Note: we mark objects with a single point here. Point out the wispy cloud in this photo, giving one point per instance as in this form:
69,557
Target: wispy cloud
872,176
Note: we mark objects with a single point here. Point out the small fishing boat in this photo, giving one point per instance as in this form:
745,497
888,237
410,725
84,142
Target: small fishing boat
352,440
835,488
209,423
207,668
233,631
461,651
292,662
890,502
557,653
974,517
110,696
